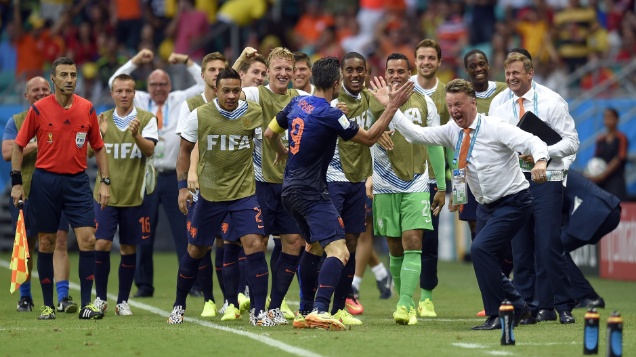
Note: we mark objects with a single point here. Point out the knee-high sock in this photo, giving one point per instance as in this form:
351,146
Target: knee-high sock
126,276
45,271
86,275
285,270
410,276
218,268
25,289
242,264
273,259
327,281
344,285
231,272
395,267
188,269
102,270
62,289
308,280
257,277
205,276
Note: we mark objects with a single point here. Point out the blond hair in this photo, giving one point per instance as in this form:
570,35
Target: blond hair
280,52
517,57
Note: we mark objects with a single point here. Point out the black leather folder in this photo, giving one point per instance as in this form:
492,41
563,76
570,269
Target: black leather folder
532,124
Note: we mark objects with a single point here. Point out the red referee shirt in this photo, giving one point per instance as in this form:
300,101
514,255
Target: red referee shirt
62,134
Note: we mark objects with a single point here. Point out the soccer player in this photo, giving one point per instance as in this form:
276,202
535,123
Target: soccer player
313,128
269,177
428,59
477,68
302,73
538,242
401,201
165,105
63,123
36,89
226,137
211,65
253,71
129,135
346,177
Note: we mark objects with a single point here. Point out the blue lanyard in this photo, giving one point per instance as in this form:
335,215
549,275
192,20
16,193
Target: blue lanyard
470,147
536,107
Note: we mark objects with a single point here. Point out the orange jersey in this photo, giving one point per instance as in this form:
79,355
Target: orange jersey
62,134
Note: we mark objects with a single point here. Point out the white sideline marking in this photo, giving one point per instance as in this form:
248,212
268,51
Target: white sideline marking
259,338
499,353
468,345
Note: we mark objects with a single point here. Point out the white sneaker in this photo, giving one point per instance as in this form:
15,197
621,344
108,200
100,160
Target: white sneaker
263,320
176,316
277,317
223,308
252,318
123,309
102,305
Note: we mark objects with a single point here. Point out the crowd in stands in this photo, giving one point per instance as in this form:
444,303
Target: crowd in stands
100,35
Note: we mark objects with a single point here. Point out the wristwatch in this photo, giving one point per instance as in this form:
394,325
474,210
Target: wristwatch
105,180
543,159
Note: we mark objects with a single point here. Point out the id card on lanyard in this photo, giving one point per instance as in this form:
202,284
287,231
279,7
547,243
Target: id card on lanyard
459,193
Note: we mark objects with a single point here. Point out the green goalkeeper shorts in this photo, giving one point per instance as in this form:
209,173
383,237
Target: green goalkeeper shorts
394,213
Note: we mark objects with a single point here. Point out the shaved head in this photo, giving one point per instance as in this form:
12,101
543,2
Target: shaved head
159,86
36,89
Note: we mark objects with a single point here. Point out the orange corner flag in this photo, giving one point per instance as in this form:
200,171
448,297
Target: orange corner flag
20,256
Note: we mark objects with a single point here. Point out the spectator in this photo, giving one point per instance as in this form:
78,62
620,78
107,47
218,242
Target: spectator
310,26
612,148
127,17
572,27
187,26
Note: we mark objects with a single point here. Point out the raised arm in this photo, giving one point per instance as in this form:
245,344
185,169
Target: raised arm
396,98
142,57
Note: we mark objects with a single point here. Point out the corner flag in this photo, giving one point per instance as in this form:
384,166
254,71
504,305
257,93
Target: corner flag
20,256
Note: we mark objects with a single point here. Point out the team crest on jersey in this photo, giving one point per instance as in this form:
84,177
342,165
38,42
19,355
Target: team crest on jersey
80,139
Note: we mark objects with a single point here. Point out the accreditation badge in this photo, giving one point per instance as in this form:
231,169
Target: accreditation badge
525,165
80,139
160,149
459,195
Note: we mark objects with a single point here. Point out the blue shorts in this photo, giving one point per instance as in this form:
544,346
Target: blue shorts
224,230
468,211
276,219
318,221
349,198
134,223
57,193
30,229
209,216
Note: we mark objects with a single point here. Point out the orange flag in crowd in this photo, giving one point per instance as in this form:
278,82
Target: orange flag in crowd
20,256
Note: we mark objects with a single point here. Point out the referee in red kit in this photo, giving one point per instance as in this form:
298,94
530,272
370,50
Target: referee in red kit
62,125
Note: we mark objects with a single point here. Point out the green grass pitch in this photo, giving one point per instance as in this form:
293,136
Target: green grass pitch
457,299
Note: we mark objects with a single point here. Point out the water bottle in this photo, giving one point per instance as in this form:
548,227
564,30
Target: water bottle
507,317
591,332
615,335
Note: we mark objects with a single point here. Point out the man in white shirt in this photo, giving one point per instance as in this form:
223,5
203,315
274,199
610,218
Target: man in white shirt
487,160
540,237
506,94
165,105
